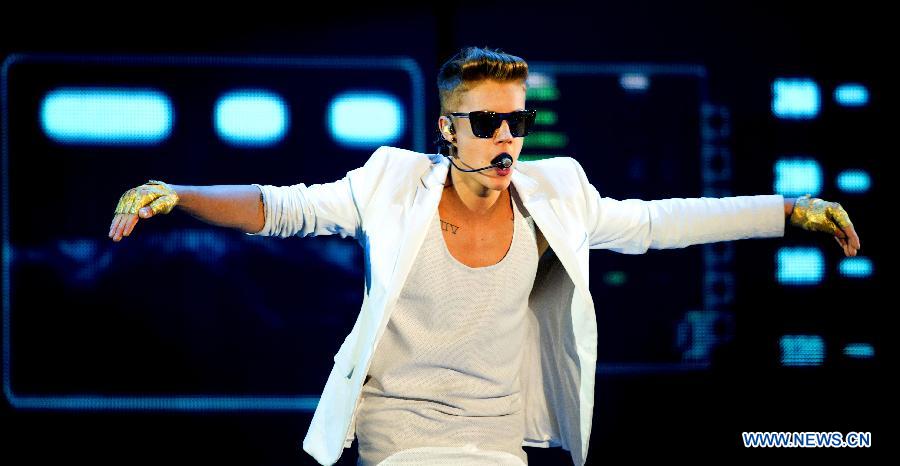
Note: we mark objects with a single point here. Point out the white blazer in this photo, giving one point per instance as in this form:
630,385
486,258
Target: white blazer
386,206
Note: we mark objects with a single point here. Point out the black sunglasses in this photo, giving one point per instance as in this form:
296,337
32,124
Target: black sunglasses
484,123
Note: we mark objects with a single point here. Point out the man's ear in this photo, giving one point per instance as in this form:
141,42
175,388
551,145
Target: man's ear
448,130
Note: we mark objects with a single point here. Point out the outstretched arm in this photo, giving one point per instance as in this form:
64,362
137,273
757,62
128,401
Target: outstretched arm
632,226
233,206
265,210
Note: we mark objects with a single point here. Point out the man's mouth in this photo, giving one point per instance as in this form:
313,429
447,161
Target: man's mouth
503,171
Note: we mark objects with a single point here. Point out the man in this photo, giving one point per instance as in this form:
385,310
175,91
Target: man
476,334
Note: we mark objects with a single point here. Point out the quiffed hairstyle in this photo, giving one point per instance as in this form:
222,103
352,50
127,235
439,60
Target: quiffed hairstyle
468,67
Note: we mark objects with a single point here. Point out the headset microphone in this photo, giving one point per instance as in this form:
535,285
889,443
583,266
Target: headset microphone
501,161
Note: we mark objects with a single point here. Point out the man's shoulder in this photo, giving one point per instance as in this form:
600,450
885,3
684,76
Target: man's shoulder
552,169
396,157
395,167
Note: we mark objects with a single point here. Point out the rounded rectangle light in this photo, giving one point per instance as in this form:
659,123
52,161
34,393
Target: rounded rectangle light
365,119
854,181
94,115
802,350
800,266
251,117
796,176
795,98
856,267
851,95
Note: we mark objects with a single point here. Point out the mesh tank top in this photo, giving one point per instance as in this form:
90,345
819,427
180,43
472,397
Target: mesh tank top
446,371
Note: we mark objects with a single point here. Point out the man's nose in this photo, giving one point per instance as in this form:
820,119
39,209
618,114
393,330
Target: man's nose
503,132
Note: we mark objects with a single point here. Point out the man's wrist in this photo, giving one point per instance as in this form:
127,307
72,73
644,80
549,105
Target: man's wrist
789,206
183,192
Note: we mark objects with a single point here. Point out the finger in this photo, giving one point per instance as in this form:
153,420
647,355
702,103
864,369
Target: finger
123,223
162,204
115,232
854,238
143,212
112,225
129,225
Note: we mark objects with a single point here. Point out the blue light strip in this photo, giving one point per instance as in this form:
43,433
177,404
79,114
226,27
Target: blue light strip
634,82
251,117
854,181
365,119
798,176
851,95
399,63
856,267
795,98
172,403
859,350
802,350
800,266
114,116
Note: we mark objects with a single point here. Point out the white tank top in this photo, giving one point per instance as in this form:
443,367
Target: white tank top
446,371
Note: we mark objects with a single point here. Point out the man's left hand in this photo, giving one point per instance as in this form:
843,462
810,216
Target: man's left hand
814,214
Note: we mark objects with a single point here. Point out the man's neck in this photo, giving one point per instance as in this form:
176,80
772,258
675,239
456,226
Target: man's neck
477,199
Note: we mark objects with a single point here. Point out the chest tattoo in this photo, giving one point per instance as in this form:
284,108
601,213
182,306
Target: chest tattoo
447,226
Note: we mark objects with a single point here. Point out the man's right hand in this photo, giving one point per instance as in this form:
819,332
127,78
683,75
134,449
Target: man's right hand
146,200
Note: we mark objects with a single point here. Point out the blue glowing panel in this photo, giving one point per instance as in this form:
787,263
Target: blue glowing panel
856,267
698,334
802,350
635,82
795,98
854,181
859,351
116,98
114,116
798,176
851,95
168,403
251,117
365,119
800,266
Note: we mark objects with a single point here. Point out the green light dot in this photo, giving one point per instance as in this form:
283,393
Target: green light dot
542,93
546,139
545,117
615,278
528,157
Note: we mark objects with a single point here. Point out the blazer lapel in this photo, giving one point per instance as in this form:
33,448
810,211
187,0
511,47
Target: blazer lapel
546,220
424,204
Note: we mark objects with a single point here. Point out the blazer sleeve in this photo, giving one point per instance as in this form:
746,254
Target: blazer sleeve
322,209
633,226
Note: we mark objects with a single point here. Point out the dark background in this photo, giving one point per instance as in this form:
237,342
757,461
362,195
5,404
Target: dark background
228,324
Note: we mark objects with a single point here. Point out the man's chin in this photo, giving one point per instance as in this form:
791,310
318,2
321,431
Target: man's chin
499,185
